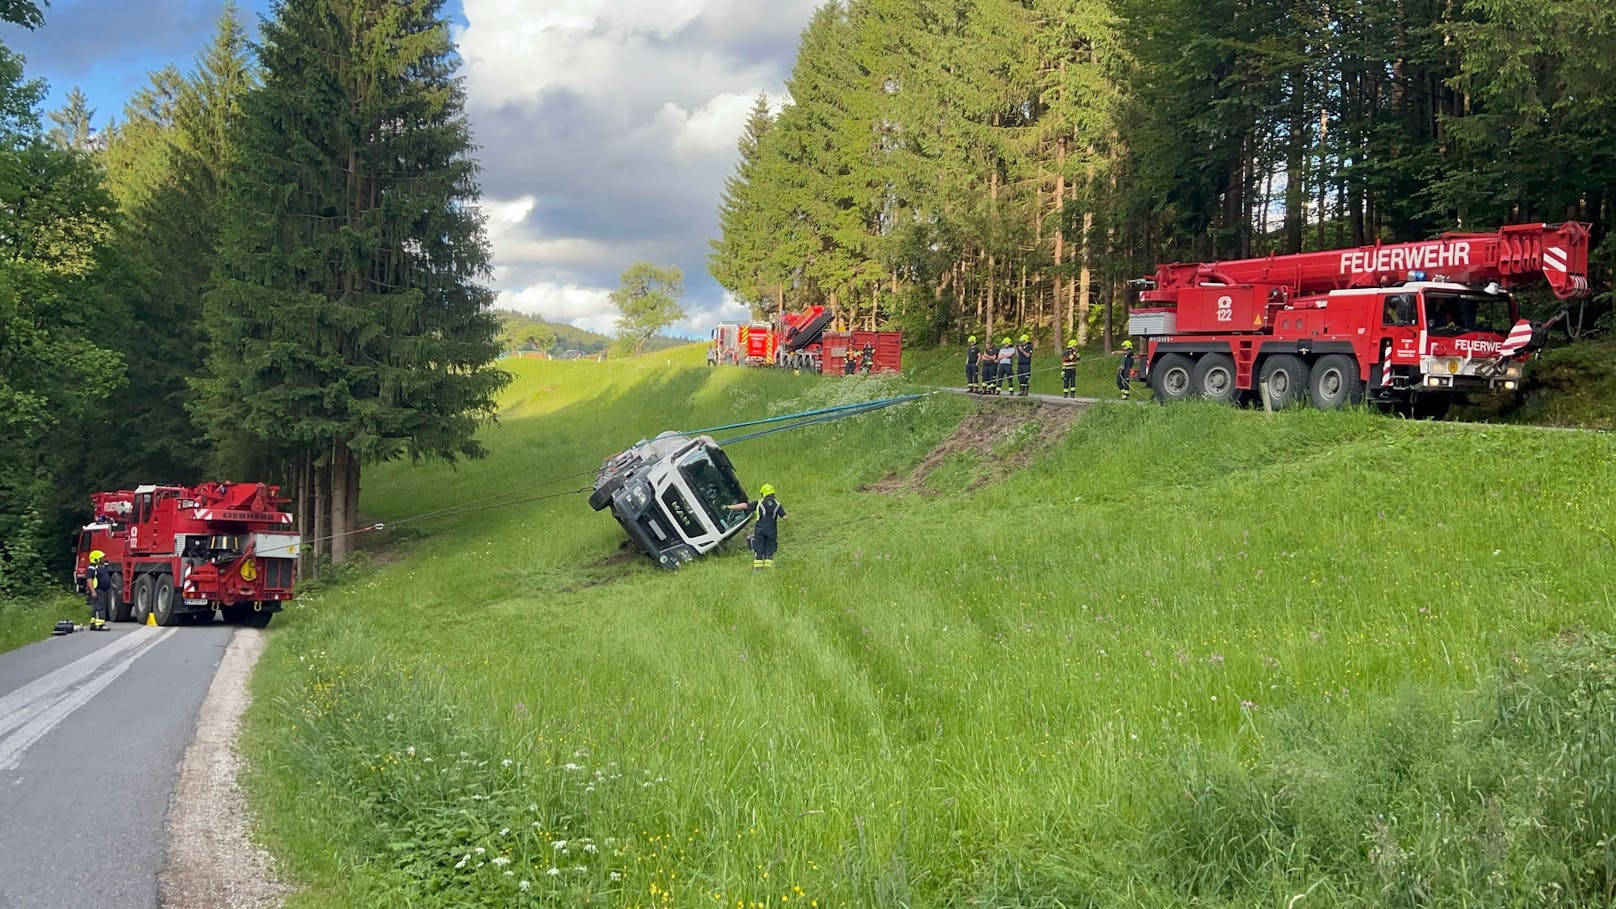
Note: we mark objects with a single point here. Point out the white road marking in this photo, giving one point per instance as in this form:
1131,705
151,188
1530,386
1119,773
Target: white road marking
32,711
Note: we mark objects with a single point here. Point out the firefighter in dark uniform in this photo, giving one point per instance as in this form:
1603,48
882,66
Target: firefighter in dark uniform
1069,359
849,360
973,357
990,369
1125,371
867,357
99,584
766,534
1024,364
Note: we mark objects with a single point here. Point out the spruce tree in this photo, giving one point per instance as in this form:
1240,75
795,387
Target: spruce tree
348,319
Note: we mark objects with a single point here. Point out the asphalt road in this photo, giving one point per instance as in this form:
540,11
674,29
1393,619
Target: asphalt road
93,727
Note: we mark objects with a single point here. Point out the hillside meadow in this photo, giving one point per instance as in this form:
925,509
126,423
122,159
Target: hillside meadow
1174,656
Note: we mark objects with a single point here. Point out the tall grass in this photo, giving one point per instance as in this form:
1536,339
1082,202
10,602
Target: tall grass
990,697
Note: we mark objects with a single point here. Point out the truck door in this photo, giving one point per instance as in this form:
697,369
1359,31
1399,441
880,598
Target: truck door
1400,344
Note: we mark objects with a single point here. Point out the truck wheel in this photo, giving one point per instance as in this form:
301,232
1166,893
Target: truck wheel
602,497
1213,378
1170,378
253,618
163,601
117,609
1334,382
1286,376
143,598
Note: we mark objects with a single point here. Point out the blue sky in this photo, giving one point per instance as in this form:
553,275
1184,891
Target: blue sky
606,127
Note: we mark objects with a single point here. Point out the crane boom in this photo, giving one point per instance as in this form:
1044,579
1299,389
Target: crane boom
1512,256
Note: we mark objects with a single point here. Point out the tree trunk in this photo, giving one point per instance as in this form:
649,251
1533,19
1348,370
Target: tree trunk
1062,324
322,516
341,522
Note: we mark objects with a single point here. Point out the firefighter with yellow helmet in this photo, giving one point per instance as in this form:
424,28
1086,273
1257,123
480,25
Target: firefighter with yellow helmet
1069,361
765,538
1125,370
98,585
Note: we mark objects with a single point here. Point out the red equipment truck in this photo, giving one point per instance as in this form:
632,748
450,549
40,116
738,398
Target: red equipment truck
742,344
1414,326
799,340
177,553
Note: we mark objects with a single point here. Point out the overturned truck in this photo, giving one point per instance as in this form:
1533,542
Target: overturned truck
672,496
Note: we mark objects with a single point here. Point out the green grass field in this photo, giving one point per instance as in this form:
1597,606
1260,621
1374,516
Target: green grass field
24,621
1177,656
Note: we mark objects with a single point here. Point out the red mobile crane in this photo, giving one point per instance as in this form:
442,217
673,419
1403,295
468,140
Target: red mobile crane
180,552
1412,325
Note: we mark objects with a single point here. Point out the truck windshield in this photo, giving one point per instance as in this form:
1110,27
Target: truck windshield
715,487
1455,313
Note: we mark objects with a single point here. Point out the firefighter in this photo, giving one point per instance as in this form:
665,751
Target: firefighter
867,357
1007,357
990,370
766,534
98,584
1069,360
1024,364
849,360
1125,371
973,357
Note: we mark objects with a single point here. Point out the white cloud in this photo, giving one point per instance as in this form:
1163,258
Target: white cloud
607,128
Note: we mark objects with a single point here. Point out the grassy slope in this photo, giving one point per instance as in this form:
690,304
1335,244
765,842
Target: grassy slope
934,698
25,621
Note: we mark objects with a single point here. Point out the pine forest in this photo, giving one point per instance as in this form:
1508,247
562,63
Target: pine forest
946,166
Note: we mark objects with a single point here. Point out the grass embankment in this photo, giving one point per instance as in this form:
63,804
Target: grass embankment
1096,373
1188,654
26,620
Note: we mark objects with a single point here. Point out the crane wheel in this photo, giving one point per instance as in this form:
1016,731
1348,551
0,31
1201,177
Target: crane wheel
1213,378
1170,378
117,609
1286,376
1334,382
143,598
163,605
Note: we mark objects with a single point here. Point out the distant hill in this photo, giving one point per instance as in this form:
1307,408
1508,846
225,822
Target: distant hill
522,331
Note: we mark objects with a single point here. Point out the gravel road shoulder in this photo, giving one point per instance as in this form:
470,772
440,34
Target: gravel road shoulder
212,860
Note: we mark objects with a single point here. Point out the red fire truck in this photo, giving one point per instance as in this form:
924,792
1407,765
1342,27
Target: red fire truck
800,341
177,553
1414,326
742,344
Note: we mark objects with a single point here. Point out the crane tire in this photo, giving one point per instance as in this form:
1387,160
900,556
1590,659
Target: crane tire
1170,378
1213,378
163,605
1334,382
143,598
1287,377
117,609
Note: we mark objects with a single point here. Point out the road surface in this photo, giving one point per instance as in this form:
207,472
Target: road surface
93,727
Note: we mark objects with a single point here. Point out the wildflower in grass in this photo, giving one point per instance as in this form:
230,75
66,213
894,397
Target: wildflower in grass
558,845
506,763
504,831
410,751
553,871
462,863
525,885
